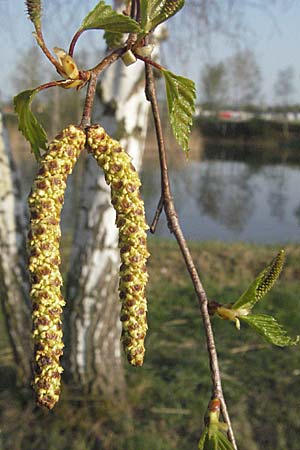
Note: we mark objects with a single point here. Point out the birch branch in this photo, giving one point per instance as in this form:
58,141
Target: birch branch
175,228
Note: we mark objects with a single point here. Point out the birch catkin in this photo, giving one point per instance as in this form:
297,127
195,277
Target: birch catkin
130,219
270,275
45,204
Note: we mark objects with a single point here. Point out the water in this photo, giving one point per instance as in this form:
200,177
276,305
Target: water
231,201
220,197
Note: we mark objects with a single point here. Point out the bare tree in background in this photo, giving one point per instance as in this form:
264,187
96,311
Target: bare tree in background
284,88
244,77
284,85
214,85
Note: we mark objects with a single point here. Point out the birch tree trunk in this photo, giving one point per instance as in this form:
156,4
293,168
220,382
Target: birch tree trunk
13,277
93,357
94,328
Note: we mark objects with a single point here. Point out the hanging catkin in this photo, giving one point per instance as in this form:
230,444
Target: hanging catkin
130,219
45,204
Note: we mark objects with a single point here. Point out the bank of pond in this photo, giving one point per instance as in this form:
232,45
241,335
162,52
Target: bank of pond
168,396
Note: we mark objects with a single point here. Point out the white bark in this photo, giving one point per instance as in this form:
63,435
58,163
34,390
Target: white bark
13,278
95,330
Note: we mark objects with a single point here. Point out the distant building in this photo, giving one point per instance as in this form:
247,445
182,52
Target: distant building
228,115
238,116
243,116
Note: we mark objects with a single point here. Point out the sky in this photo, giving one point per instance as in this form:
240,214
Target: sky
273,34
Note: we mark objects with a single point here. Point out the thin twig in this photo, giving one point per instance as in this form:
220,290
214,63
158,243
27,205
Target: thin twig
158,212
175,228
74,41
60,83
138,11
41,43
48,85
108,60
89,100
133,9
132,36
91,90
150,61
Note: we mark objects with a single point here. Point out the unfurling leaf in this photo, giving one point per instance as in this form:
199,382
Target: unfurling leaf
222,443
262,284
241,310
104,17
270,329
203,439
215,441
212,437
154,12
34,11
181,94
113,40
28,123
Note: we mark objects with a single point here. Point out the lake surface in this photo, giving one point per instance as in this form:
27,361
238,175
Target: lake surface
221,197
230,200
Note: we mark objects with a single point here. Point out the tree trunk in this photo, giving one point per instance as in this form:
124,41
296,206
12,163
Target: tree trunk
14,285
94,328
93,357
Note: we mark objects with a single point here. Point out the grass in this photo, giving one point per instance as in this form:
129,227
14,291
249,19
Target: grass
168,396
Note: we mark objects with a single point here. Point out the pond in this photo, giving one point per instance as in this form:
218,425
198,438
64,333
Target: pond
230,200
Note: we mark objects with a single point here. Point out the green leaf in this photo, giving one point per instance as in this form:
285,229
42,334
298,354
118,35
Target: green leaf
34,11
202,439
217,441
28,123
181,94
104,17
212,442
113,40
262,284
270,329
222,442
154,12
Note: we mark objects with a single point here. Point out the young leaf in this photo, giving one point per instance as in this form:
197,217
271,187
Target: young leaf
262,284
154,12
216,441
104,17
113,40
181,94
34,11
203,439
211,442
269,329
222,442
28,124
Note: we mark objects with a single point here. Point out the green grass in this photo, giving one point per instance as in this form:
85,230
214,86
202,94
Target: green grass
167,397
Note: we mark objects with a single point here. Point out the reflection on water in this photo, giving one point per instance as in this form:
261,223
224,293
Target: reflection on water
225,194
229,200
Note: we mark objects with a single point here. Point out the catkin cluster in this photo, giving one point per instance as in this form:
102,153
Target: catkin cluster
130,220
45,204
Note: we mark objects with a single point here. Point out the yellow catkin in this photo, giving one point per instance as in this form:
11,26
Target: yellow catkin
270,275
45,204
130,219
